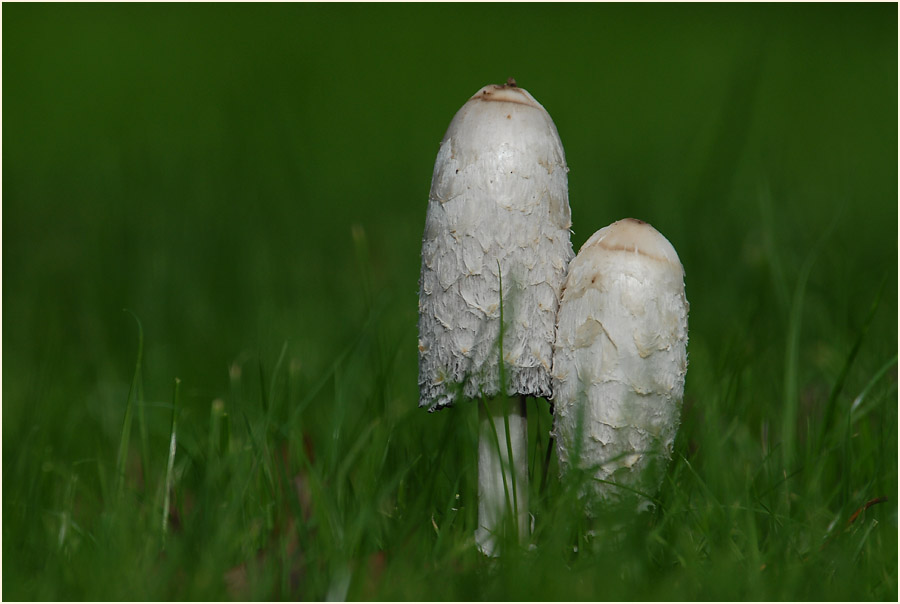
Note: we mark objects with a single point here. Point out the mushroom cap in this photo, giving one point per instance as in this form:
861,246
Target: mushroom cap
620,357
498,210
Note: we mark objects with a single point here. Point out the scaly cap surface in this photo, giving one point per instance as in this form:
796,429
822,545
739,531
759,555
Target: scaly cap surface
620,357
498,209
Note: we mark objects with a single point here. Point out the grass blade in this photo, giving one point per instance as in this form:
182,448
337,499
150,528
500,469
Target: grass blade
122,456
828,415
171,462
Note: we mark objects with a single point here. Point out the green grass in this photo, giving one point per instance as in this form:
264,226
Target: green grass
250,183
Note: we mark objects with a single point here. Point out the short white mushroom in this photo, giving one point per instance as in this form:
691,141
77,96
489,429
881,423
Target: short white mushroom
620,359
498,213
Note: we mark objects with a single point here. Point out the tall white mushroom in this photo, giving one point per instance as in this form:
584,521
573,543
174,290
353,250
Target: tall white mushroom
498,213
620,359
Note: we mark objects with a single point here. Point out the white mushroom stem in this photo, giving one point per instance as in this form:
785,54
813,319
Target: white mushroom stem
502,485
620,359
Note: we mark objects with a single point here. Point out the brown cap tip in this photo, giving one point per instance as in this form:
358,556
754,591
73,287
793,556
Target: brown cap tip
636,236
509,93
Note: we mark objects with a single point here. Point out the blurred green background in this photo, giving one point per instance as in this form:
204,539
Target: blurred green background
241,177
